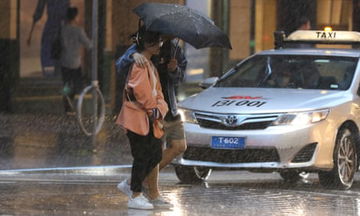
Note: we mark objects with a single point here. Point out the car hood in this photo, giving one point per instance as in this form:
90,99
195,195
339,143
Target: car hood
263,100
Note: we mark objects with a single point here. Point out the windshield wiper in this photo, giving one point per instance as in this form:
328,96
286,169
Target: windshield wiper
226,75
268,72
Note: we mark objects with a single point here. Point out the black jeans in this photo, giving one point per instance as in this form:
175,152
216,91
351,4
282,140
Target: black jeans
71,77
147,153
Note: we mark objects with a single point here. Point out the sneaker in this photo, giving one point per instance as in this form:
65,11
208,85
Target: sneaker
140,202
125,188
161,203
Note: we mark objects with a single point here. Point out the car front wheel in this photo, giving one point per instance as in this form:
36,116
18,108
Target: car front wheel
345,162
189,174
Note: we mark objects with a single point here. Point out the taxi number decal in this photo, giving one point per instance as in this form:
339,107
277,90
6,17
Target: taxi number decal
239,103
326,35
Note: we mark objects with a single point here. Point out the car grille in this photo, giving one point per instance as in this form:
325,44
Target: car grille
246,126
305,154
231,156
234,121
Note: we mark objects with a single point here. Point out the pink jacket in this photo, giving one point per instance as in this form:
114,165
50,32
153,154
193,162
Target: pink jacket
148,93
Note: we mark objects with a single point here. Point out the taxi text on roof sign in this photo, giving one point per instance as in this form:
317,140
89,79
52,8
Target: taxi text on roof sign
304,35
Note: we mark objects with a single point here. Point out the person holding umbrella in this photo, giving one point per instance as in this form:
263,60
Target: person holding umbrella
141,114
171,64
190,26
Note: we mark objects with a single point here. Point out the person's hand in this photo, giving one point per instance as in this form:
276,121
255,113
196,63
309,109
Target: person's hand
139,59
28,41
172,65
154,114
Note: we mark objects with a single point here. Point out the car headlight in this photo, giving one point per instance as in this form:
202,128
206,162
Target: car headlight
301,118
187,116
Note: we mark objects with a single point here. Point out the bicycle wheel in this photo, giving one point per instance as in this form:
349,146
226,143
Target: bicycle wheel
87,122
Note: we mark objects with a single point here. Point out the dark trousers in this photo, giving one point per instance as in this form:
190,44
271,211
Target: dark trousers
72,78
147,153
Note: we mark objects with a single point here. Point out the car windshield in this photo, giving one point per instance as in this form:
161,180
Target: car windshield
292,71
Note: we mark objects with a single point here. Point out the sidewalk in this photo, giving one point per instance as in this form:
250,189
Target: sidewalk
29,141
112,174
52,148
38,137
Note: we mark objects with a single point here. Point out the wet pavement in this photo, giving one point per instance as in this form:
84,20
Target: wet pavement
49,167
50,140
226,193
39,135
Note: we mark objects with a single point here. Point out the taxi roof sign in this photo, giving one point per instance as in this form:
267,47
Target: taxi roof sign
316,37
305,35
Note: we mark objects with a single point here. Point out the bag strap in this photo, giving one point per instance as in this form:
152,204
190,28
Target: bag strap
126,93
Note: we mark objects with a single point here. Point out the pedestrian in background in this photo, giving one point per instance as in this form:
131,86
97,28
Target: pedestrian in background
304,24
73,38
142,111
56,12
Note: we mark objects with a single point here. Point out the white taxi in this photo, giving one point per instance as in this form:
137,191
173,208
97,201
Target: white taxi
293,109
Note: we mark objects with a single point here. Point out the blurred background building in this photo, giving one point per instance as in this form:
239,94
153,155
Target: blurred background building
249,23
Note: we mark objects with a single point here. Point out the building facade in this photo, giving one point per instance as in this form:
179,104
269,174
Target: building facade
249,24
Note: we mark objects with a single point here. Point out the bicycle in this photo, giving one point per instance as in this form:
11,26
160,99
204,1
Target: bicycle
99,118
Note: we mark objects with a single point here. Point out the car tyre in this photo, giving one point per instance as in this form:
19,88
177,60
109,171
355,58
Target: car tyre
345,162
190,174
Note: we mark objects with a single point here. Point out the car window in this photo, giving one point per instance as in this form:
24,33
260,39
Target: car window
292,71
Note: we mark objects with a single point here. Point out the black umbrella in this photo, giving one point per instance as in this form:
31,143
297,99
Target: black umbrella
182,22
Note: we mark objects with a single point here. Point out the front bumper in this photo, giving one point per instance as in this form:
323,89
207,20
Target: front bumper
280,147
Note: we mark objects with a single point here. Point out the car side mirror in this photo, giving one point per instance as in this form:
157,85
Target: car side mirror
208,82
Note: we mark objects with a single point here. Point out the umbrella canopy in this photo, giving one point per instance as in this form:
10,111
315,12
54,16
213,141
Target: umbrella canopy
182,22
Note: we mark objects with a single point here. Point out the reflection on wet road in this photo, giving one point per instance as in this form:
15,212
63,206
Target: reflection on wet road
252,195
43,141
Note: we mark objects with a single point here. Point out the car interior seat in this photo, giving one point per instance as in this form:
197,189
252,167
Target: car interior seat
347,78
311,76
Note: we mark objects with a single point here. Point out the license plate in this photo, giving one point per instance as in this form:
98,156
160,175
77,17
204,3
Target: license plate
221,142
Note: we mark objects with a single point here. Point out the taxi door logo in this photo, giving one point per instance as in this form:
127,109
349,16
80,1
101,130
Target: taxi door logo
239,100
